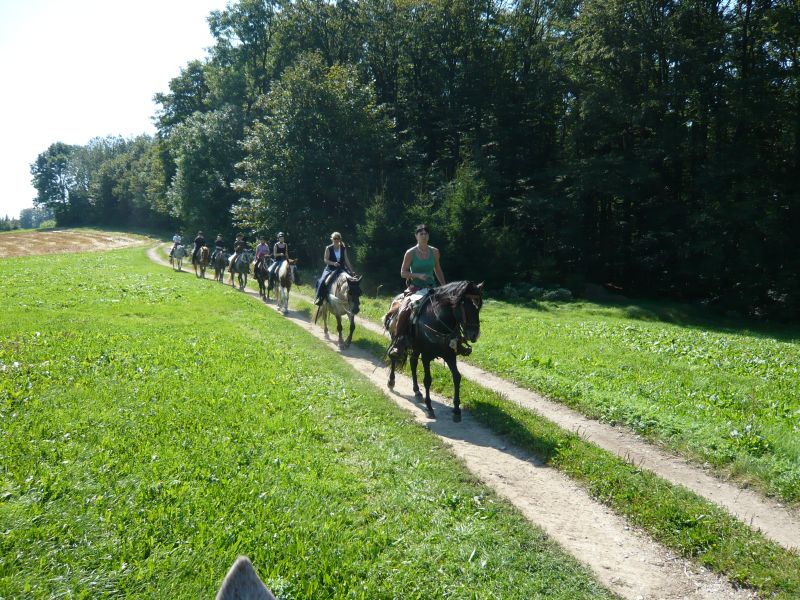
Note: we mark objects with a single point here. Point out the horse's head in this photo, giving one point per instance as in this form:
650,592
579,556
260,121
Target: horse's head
468,311
354,293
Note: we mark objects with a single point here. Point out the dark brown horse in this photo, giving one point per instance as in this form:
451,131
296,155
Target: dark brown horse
220,264
447,320
343,298
261,273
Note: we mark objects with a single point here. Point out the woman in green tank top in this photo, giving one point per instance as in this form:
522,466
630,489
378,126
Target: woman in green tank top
421,265
421,269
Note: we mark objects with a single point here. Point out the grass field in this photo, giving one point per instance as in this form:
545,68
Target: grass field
726,397
153,427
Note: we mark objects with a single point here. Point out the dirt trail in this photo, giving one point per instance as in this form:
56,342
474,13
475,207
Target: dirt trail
626,561
774,520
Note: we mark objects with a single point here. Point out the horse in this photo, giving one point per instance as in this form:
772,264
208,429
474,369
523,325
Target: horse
286,275
261,273
176,257
200,261
447,319
241,267
220,264
343,298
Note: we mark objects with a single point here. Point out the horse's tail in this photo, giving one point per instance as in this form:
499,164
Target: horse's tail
316,315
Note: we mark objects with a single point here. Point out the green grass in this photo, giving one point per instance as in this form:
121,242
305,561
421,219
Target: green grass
153,427
725,397
681,520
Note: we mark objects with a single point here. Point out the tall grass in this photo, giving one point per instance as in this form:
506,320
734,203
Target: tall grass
153,426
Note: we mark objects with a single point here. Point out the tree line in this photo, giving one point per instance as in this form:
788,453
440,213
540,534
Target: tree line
648,144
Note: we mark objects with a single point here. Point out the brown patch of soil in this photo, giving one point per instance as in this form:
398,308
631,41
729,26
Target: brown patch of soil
60,241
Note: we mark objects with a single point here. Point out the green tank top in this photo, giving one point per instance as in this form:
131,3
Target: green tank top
424,267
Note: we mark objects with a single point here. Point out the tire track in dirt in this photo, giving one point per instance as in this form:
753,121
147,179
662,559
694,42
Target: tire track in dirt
625,560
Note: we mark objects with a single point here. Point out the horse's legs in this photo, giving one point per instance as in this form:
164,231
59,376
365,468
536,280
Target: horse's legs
451,363
427,380
352,318
339,328
414,361
390,383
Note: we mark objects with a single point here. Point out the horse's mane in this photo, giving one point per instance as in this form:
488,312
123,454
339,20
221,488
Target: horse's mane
451,293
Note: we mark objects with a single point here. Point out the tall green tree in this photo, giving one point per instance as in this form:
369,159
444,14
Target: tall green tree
313,163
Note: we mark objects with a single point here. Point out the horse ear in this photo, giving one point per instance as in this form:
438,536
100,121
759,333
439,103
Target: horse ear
480,285
359,278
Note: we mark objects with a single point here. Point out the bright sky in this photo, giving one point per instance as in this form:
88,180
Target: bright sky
72,70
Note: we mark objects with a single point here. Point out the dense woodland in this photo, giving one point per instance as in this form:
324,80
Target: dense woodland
650,144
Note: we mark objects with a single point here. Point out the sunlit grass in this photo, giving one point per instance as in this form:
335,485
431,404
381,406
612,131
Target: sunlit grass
153,427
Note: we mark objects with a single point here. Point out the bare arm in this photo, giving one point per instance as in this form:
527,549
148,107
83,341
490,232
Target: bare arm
437,268
405,273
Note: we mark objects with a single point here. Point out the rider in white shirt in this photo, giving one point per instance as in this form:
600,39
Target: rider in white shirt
176,241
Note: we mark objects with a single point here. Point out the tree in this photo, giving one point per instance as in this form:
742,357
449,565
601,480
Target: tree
313,163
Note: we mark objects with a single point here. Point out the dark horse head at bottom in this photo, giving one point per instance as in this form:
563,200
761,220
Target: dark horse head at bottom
447,320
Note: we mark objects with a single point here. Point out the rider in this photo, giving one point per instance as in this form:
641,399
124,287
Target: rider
280,253
420,265
336,259
262,252
199,242
239,246
219,246
176,241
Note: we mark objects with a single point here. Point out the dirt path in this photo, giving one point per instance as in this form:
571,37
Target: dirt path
774,520
626,561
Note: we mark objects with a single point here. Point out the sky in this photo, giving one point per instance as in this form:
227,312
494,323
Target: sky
72,70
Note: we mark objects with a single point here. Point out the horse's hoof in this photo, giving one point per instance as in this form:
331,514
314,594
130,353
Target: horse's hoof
430,413
456,416
390,385
419,396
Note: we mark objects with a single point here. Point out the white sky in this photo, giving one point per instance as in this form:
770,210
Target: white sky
72,70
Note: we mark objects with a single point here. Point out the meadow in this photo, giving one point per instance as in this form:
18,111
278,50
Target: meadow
726,397
153,427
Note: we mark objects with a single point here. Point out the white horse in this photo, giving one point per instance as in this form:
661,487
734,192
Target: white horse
343,298
176,257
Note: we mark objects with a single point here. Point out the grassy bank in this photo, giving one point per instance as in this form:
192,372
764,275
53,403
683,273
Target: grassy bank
726,397
152,427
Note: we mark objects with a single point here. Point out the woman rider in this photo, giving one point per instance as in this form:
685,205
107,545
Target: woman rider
239,246
219,247
176,241
336,259
262,252
280,253
199,242
421,269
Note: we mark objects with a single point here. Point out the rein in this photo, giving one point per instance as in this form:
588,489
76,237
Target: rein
448,338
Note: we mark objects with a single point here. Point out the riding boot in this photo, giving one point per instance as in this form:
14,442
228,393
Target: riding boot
398,349
320,295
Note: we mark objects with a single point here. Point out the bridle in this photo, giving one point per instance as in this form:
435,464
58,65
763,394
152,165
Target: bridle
454,335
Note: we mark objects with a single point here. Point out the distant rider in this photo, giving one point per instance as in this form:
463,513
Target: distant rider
262,252
199,242
336,259
177,240
280,253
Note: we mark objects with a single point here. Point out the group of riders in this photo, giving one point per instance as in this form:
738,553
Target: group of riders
279,252
421,269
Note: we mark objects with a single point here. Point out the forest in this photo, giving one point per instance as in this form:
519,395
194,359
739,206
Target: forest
648,145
